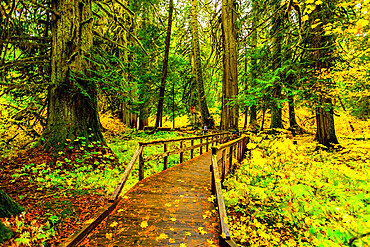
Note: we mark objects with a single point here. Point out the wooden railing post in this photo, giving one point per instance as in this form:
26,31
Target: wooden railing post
192,150
231,157
207,144
165,158
182,153
141,165
223,166
200,149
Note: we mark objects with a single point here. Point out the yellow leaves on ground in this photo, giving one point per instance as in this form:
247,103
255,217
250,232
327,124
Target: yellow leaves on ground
108,235
187,234
207,214
171,240
201,231
114,223
182,245
211,198
144,224
168,205
173,219
161,236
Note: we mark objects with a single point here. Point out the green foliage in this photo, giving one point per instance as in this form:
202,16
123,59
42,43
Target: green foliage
319,198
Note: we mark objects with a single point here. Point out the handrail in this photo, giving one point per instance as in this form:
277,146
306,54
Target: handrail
125,175
240,148
162,141
139,155
220,137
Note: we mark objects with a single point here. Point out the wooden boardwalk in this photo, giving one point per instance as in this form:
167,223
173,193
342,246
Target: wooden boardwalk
170,208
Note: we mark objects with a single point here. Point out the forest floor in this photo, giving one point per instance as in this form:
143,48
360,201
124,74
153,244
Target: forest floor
283,194
60,193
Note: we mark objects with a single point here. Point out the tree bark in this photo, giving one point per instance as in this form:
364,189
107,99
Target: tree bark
202,101
158,122
230,109
276,112
72,102
323,59
253,69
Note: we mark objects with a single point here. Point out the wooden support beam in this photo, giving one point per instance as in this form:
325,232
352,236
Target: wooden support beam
141,166
182,153
165,158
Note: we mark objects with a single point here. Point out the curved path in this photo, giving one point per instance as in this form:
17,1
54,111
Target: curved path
170,208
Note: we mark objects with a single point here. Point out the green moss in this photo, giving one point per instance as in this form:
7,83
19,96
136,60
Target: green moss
8,207
5,233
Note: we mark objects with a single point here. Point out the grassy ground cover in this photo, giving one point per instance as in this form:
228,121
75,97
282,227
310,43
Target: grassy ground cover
297,195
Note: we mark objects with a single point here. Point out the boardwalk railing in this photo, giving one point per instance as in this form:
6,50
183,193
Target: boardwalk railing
222,161
184,146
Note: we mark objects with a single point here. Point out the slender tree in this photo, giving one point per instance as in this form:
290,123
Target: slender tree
230,110
202,102
253,65
162,88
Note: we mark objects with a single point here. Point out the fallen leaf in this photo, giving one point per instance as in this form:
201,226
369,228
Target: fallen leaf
144,224
168,204
108,235
171,240
162,236
113,224
173,219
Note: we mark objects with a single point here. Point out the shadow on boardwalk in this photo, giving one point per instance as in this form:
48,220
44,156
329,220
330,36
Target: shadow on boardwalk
170,208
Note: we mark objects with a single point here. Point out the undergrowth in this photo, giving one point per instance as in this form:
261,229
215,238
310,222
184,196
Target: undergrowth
288,195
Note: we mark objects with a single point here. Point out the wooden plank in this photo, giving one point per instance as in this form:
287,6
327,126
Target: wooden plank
125,175
89,225
220,199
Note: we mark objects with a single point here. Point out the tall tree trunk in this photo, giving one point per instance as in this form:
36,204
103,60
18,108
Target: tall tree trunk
253,69
276,121
72,102
202,101
162,89
323,59
230,109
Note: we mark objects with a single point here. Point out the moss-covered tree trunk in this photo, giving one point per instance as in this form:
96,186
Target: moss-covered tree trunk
230,110
72,102
8,207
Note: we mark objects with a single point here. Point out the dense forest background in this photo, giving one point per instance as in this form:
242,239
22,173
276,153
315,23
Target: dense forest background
231,64
83,72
